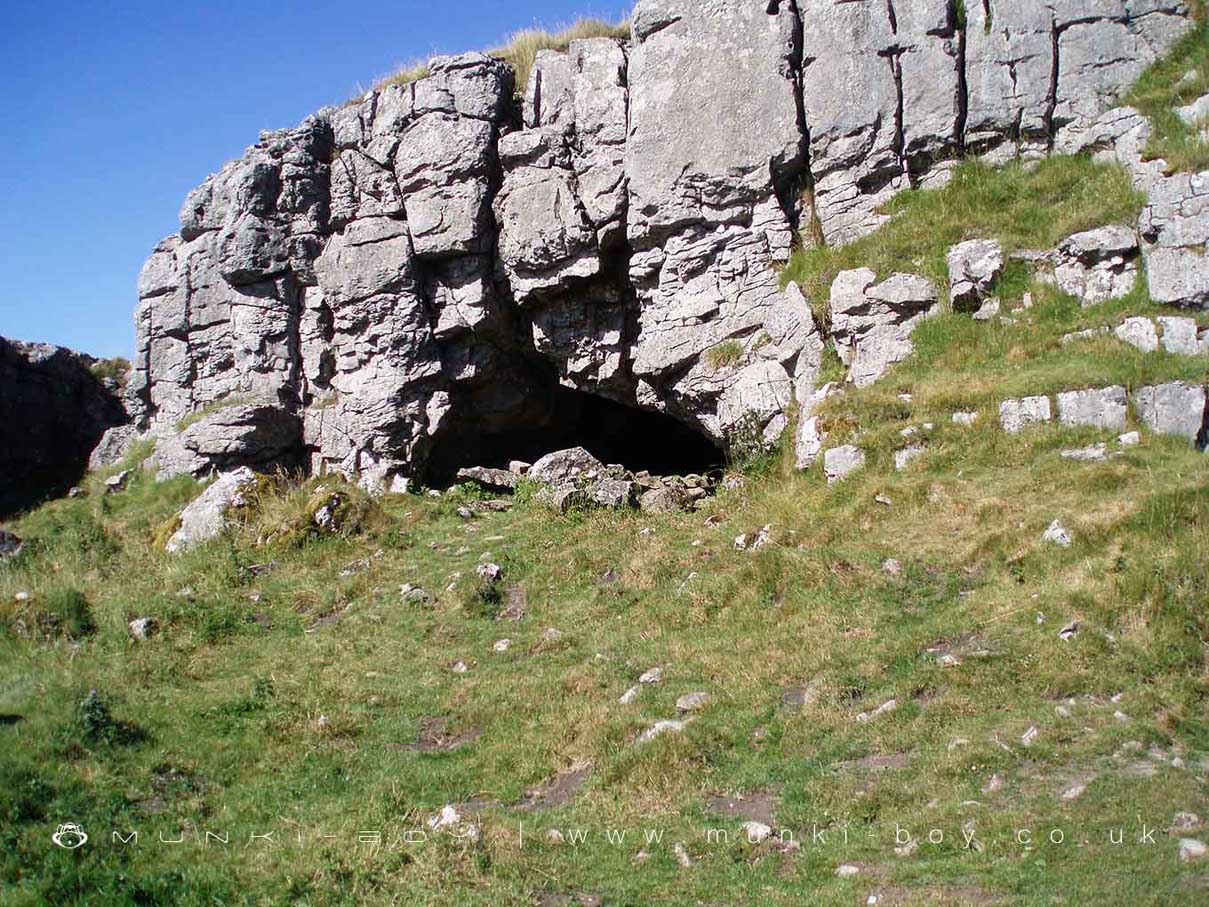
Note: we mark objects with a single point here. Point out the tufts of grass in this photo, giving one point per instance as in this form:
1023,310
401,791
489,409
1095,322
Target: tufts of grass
117,369
1023,206
1178,79
521,49
724,355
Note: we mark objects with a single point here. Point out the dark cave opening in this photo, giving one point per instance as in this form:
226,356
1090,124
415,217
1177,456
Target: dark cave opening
613,432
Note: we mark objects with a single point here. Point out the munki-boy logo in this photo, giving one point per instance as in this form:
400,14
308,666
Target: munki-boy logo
70,836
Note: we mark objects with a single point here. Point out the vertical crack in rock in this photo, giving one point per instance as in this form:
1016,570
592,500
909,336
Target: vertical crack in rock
1051,107
958,26
892,17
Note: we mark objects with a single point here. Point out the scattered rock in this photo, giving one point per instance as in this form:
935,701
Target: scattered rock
754,541
659,728
883,709
494,479
460,667
847,871
206,516
691,702
665,499
143,628
841,462
1130,439
565,466
1184,821
502,645
1097,407
1057,534
892,566
871,323
1177,408
1029,737
682,857
1088,334
630,695
1191,849
1017,415
1070,631
1094,452
756,832
654,675
903,458
966,419
988,310
974,266
117,481
1138,332
1098,265
490,573
556,791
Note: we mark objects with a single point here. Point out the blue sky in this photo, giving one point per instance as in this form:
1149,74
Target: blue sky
113,112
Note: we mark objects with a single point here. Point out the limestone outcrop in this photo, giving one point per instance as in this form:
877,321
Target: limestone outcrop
406,282
53,412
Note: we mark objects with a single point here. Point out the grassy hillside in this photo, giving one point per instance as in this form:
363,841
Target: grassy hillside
293,689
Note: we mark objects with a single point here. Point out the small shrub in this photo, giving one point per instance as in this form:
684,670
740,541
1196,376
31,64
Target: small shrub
96,724
481,598
116,369
724,355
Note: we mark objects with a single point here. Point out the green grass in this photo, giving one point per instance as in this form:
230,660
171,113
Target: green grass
1023,206
724,355
210,409
1177,80
520,50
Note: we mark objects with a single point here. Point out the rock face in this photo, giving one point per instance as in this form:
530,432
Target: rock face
53,411
411,278
974,266
871,322
1098,265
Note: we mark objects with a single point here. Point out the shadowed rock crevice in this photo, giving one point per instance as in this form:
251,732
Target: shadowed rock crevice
558,418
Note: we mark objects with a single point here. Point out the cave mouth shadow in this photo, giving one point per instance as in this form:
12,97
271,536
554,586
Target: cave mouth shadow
614,433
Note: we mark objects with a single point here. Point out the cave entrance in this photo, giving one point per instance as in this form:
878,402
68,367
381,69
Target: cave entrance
637,439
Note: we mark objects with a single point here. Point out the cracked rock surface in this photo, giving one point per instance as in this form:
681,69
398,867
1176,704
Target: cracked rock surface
434,263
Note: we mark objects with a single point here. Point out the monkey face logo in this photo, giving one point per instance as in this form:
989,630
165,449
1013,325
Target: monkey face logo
69,836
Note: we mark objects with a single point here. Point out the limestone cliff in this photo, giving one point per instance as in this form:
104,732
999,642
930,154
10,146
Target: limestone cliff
406,277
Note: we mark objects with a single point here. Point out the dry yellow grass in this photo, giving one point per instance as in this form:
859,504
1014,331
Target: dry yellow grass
520,50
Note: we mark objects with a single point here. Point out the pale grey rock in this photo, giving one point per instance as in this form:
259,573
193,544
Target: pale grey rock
1017,415
871,323
1095,452
964,418
1195,113
1179,335
664,499
1177,408
1098,265
691,702
117,481
143,628
659,728
206,516
841,462
988,310
1096,407
1130,439
241,434
904,457
1086,334
1057,534
113,446
563,466
612,493
1138,332
810,436
497,479
974,266
1191,850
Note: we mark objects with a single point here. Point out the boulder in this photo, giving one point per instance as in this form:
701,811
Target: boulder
871,323
1180,335
1017,415
495,479
1098,265
563,466
810,436
239,434
207,515
1176,408
1100,408
841,462
974,266
1138,332
143,628
612,493
664,499
113,446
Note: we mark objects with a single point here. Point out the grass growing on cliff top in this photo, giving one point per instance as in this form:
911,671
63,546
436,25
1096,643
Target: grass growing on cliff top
1022,205
521,49
1178,79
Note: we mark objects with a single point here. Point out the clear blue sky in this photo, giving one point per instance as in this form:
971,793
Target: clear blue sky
113,112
